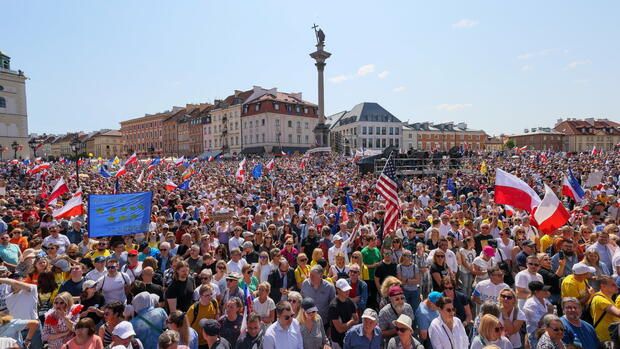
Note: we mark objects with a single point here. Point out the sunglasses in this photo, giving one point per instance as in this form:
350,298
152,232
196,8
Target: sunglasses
261,257
132,255
557,329
354,271
402,329
292,301
163,249
507,297
498,329
303,259
534,264
287,317
440,256
112,266
449,310
221,268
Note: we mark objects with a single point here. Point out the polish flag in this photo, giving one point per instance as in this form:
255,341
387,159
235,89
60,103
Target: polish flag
43,194
240,174
38,168
179,161
72,208
510,211
211,158
271,164
59,189
133,159
141,177
595,151
510,190
170,186
523,148
120,172
303,164
551,213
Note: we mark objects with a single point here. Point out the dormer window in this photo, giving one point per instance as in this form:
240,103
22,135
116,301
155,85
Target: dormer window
276,106
257,107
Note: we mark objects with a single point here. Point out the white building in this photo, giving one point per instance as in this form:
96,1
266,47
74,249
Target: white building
13,113
368,125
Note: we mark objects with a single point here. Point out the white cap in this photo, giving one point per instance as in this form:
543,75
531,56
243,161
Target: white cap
343,285
582,268
337,237
123,330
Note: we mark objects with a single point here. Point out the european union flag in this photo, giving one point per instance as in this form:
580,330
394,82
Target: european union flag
257,171
184,185
349,203
451,186
120,214
103,172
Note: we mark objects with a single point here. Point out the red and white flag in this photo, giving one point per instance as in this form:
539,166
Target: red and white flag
551,213
179,161
170,186
141,177
38,168
271,164
523,148
595,151
210,158
120,172
59,189
511,190
72,208
133,159
509,210
303,164
240,174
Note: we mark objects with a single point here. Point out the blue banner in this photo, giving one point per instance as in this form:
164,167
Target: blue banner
120,214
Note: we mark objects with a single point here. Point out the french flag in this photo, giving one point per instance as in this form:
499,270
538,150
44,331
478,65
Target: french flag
170,186
572,188
511,190
271,164
551,213
59,189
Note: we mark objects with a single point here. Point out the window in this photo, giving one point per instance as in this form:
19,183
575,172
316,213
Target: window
1,87
378,143
298,109
363,130
276,106
290,138
298,139
251,124
262,137
391,142
378,130
397,142
2,102
262,122
257,107
383,130
391,131
370,130
305,110
397,130
277,122
307,139
306,125
383,143
290,123
363,142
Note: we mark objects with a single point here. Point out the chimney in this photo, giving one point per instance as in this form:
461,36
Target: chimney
590,121
462,126
533,129
559,121
526,131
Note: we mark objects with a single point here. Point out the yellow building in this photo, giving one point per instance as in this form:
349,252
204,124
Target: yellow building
13,113
105,144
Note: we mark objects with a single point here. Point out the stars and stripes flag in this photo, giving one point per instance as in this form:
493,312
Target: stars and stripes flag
387,186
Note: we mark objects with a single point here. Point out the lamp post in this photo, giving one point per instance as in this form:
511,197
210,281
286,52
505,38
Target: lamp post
33,145
76,145
15,147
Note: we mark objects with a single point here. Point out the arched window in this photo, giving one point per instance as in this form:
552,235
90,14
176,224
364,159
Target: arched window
2,102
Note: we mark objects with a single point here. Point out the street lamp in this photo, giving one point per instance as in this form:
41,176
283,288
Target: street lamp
76,145
33,145
15,147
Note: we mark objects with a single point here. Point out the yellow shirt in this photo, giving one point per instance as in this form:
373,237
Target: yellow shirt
599,303
95,253
545,242
210,311
302,274
573,288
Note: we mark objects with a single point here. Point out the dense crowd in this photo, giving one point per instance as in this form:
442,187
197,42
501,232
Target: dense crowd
281,261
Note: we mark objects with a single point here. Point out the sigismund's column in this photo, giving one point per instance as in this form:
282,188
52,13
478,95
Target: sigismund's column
321,131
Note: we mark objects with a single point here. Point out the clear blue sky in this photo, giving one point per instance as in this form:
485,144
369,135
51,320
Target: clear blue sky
496,65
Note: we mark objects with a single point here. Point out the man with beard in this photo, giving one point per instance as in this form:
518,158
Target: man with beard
577,331
568,254
391,311
252,338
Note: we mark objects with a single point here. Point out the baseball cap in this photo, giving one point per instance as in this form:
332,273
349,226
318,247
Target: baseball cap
317,268
123,330
62,264
99,259
308,305
135,251
538,286
529,243
582,268
210,327
434,297
88,284
370,314
337,237
3,268
247,234
343,285
489,251
395,291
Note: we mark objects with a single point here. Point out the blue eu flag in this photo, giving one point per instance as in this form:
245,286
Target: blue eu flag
257,171
120,214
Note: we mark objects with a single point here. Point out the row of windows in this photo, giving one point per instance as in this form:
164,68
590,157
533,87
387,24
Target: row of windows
137,136
381,130
276,106
446,136
379,142
142,146
250,139
143,126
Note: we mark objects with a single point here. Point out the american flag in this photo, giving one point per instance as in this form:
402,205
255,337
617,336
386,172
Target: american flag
387,186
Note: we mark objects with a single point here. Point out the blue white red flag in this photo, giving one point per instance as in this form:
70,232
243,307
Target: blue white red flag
572,188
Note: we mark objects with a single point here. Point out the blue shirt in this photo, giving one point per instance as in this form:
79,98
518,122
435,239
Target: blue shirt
355,338
584,334
10,253
424,316
145,333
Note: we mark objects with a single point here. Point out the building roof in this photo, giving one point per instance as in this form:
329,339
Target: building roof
537,131
448,126
260,94
112,133
589,126
366,111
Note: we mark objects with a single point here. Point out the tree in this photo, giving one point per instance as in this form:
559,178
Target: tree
509,144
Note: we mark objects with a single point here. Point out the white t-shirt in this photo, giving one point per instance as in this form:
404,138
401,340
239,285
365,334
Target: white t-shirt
515,339
23,304
235,267
506,250
234,242
263,309
523,279
62,241
484,266
95,274
265,270
113,288
488,291
132,273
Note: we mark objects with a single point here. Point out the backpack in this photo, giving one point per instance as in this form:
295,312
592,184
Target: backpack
508,278
613,329
196,310
587,314
342,274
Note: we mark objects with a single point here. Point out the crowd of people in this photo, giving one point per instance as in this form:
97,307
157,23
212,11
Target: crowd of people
300,258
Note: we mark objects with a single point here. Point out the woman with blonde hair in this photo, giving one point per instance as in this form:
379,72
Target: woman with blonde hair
593,259
302,272
356,258
263,267
295,299
170,339
490,332
177,321
60,321
385,288
311,325
511,317
340,270
248,279
263,305
316,255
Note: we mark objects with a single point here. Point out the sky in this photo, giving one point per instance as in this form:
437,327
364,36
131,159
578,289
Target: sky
498,66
